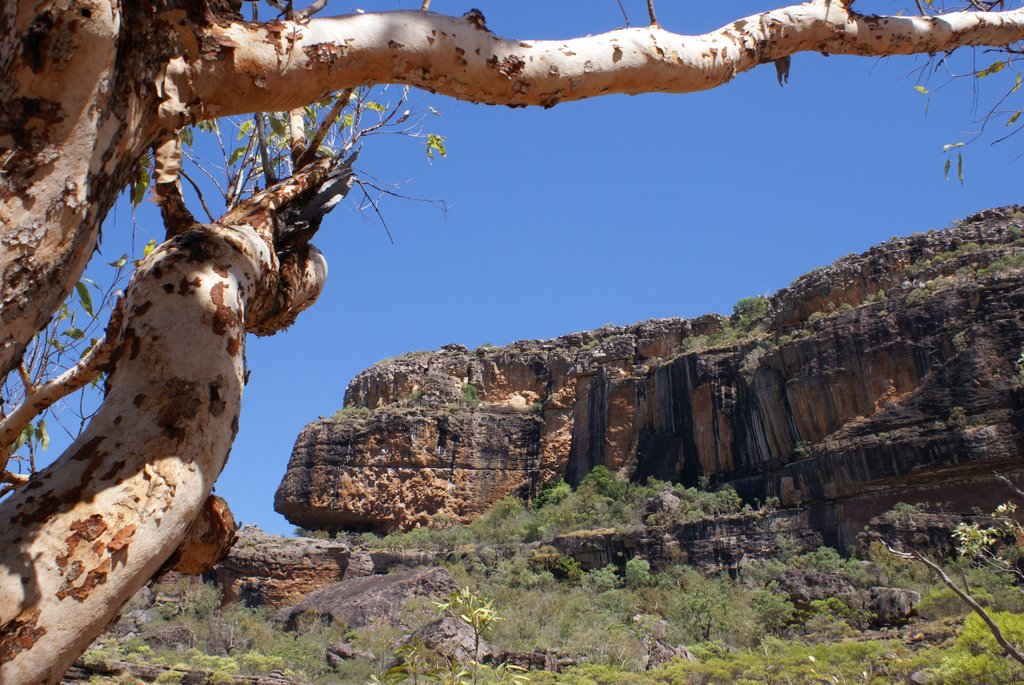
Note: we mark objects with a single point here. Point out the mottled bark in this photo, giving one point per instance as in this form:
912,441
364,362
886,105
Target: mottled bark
84,534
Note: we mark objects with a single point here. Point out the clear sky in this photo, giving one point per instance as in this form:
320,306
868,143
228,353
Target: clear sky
612,210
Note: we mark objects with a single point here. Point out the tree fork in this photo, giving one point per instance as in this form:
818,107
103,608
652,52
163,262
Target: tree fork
87,532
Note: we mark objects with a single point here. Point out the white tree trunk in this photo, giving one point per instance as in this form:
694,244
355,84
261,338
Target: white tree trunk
84,534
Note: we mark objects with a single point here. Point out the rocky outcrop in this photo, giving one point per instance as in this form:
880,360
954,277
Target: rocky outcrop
712,545
881,606
803,586
359,602
264,569
886,377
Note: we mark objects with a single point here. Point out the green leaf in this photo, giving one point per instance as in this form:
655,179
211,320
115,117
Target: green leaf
960,167
278,125
120,262
140,184
952,146
236,155
23,437
375,106
74,333
1013,119
921,89
245,129
945,169
993,68
146,251
41,435
64,313
84,297
187,136
435,143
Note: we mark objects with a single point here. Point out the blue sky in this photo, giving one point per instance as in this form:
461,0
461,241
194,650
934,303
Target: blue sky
613,210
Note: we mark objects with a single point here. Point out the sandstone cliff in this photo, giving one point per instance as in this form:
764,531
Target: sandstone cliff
888,376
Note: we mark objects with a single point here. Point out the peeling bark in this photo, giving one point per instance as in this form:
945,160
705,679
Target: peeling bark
89,530
87,87
285,64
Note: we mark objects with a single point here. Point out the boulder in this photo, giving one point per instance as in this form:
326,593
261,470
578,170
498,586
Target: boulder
804,586
452,637
270,570
359,602
892,606
665,502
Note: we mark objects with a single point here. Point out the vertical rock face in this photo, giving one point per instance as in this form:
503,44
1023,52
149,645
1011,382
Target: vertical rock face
888,376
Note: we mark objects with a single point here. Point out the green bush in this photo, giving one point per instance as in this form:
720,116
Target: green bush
750,310
605,483
553,493
470,395
638,573
978,658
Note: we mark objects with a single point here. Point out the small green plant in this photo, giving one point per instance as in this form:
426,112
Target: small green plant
470,395
477,612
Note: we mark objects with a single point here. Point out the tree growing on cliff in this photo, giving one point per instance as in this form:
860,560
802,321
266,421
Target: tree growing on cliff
90,87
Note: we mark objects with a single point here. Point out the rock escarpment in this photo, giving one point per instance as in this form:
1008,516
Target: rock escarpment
888,376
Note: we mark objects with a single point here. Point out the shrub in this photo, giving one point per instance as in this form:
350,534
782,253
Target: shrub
470,395
605,483
638,573
977,658
552,493
750,310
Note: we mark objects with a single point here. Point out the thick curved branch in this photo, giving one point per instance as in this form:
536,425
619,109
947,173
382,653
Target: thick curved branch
279,66
86,532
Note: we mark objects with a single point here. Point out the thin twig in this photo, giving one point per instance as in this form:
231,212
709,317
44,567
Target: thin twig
1010,484
380,216
199,192
625,16
202,167
87,368
310,152
650,11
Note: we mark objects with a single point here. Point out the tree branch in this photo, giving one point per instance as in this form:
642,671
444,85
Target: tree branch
1010,649
43,396
455,57
309,154
1010,484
